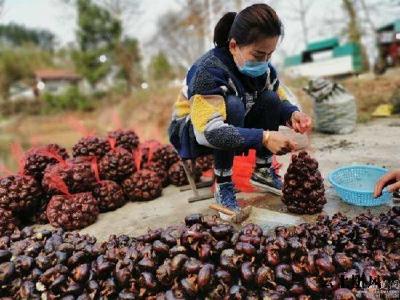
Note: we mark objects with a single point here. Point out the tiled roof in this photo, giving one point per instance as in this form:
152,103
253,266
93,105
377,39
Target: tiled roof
56,74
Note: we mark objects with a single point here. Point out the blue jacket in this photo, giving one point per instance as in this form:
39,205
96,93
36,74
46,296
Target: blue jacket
200,112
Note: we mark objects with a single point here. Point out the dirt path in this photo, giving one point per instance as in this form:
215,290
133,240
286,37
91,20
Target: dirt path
376,142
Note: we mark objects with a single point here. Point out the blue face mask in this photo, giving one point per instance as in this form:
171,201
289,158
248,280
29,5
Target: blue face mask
253,68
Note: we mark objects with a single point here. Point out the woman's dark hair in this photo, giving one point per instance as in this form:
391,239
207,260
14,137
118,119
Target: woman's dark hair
248,26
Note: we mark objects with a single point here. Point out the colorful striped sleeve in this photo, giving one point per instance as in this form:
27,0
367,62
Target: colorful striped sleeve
207,91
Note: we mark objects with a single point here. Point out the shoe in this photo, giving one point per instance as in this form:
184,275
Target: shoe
225,195
266,178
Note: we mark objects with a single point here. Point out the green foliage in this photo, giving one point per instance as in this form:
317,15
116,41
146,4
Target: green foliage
19,64
97,28
89,65
160,68
72,99
98,34
128,58
18,35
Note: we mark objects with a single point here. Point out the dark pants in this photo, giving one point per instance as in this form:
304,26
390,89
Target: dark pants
264,114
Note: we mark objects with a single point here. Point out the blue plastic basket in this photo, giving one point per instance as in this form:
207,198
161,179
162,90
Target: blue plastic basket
355,184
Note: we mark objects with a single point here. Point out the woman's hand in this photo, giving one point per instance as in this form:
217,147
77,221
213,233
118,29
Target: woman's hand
278,143
391,180
301,122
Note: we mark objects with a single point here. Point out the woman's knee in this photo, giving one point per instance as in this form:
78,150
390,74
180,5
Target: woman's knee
265,112
235,110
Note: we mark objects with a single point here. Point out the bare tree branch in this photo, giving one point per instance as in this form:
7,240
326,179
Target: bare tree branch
121,9
1,7
185,35
299,13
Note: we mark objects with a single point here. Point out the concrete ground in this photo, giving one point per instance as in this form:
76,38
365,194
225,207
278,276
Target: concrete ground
376,142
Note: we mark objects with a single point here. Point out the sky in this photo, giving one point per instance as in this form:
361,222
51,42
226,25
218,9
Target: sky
61,19
46,14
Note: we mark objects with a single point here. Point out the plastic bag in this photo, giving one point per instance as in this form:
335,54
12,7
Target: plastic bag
335,108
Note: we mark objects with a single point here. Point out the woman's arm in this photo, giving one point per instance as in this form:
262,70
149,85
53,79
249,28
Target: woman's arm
207,89
208,115
290,114
287,111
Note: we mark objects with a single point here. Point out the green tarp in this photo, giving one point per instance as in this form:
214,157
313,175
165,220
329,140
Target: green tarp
322,45
391,26
293,60
346,49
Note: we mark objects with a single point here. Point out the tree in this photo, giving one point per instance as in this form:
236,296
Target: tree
371,13
354,30
1,7
127,53
302,12
160,68
366,15
298,11
18,35
20,64
98,35
127,56
97,28
102,47
123,10
183,34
